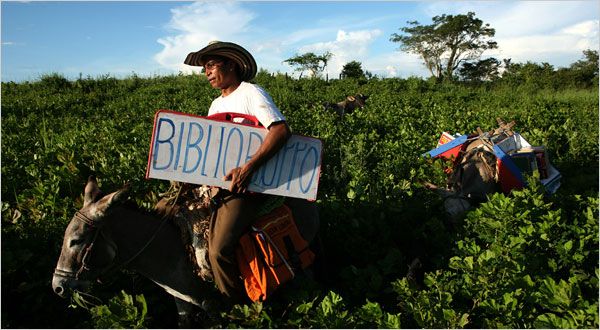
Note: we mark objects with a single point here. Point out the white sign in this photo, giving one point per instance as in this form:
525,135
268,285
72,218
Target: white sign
198,150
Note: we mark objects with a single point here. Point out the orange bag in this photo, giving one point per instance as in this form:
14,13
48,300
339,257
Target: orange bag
271,253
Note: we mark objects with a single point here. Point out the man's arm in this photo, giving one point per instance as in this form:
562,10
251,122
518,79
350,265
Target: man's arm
240,177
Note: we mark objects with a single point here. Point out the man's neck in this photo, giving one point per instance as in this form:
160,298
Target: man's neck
230,89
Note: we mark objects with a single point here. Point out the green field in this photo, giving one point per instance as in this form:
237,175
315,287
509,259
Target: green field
519,261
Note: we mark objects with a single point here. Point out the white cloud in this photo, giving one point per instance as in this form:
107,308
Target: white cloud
587,29
195,25
560,48
396,64
347,47
391,71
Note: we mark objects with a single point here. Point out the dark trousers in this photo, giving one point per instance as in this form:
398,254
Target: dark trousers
233,218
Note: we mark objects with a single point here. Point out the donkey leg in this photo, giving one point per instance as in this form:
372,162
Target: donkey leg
184,313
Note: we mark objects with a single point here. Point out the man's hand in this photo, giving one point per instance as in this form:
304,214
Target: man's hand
240,179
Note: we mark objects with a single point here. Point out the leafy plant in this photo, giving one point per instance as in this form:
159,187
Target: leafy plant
520,261
122,312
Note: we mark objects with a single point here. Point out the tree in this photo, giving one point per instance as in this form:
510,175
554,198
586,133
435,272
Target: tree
352,70
448,42
529,75
309,62
535,76
481,70
590,63
586,70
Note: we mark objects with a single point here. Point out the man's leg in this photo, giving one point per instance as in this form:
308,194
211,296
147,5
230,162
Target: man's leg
233,218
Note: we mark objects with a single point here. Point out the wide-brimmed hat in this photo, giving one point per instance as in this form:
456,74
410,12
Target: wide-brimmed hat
230,50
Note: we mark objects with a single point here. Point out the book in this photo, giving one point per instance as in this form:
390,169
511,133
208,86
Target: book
542,160
525,160
447,137
509,144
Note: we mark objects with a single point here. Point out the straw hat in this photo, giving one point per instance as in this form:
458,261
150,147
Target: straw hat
230,50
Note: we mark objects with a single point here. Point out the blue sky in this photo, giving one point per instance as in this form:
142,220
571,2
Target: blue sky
118,38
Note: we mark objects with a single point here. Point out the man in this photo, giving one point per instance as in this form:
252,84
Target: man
229,67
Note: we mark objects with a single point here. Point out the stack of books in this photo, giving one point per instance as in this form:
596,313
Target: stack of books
530,159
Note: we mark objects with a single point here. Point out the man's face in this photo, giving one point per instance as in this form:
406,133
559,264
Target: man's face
219,71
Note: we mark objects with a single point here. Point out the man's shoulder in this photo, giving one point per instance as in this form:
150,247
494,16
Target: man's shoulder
215,102
250,87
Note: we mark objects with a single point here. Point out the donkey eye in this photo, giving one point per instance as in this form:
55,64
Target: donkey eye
75,241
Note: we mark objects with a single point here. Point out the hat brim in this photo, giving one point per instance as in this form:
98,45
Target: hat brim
230,50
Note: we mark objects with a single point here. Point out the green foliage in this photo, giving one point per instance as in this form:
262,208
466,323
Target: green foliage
352,69
251,316
585,71
327,311
525,260
533,76
121,312
433,307
486,69
518,265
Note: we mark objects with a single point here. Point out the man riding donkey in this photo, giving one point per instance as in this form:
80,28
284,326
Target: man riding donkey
229,67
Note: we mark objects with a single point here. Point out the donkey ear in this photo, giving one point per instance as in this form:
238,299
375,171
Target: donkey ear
118,196
91,190
351,98
107,202
122,194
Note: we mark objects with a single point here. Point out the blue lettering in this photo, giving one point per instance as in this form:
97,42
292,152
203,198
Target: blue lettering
294,164
159,142
248,156
264,170
206,150
314,169
235,129
193,145
255,177
285,149
219,154
178,148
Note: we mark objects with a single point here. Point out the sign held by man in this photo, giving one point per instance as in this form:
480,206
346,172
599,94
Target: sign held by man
200,150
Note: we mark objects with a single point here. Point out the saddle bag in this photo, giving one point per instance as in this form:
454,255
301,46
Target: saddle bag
272,253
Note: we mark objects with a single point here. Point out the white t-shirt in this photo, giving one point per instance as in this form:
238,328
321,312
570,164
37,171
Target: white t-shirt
249,99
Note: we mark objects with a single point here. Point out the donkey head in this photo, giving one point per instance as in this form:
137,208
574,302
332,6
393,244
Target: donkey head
85,251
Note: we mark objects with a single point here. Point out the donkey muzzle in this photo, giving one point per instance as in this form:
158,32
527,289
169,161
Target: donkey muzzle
64,283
